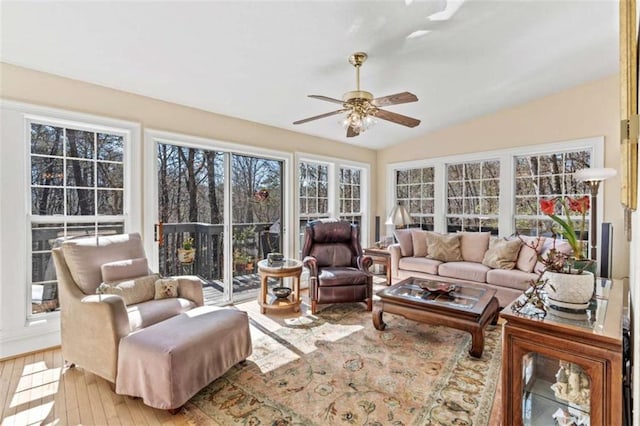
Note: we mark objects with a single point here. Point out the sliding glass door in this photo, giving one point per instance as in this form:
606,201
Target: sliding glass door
218,213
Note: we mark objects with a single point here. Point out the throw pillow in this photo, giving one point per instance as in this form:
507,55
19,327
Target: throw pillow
529,252
406,242
502,254
419,238
445,248
133,291
473,245
166,288
124,269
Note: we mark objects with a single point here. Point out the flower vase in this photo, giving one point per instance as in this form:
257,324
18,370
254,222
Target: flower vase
571,291
186,256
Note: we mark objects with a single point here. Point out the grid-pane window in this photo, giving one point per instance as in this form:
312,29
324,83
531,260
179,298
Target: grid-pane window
546,176
77,189
473,192
314,193
350,195
415,190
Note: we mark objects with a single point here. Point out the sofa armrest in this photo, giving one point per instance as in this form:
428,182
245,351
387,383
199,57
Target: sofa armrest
394,250
91,331
190,287
106,310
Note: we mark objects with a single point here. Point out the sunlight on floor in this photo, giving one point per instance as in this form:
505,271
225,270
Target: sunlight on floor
34,396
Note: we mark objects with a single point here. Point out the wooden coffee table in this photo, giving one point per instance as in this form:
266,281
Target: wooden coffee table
468,308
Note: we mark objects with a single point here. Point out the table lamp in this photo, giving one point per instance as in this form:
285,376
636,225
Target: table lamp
399,216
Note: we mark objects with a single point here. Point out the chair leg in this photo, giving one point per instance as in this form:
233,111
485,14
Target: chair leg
369,304
314,307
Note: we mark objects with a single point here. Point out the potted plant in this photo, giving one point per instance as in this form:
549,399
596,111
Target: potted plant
240,260
187,253
567,229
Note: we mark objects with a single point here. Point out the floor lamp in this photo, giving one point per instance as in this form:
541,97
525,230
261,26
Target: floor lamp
399,216
593,177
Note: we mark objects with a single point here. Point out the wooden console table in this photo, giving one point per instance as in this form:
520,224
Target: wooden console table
381,256
566,365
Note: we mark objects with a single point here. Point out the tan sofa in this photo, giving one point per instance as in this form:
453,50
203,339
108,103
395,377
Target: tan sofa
474,262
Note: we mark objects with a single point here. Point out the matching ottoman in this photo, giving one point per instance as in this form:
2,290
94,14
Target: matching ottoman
167,363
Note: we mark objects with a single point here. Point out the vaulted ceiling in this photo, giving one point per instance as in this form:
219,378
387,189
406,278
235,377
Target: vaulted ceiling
257,60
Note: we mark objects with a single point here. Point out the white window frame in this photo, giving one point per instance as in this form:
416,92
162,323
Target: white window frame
100,126
21,331
334,189
506,218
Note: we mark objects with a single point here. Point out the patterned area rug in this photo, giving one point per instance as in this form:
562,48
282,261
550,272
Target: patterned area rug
336,368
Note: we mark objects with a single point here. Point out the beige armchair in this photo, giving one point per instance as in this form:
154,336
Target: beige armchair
92,325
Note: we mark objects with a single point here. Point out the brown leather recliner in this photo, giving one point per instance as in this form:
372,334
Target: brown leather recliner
339,272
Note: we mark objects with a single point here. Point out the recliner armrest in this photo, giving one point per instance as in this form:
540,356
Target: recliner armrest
311,263
364,263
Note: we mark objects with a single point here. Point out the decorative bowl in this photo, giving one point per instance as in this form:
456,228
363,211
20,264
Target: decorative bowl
437,287
281,292
274,258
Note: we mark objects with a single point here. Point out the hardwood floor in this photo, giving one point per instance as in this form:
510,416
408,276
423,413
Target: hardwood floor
37,389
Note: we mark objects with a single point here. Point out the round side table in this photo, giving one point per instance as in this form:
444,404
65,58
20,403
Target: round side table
286,268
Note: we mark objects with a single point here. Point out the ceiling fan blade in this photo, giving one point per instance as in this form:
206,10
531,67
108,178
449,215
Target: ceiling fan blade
398,98
328,114
326,98
351,132
397,118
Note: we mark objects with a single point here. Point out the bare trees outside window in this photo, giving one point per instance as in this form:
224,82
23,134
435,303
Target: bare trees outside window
473,193
191,200
350,195
545,176
77,189
415,191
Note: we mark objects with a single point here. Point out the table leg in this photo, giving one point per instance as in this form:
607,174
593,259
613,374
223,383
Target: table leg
477,342
388,267
263,293
378,323
496,307
296,293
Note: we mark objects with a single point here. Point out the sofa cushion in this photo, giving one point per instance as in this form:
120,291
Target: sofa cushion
419,238
419,264
405,240
529,252
502,254
123,269
510,278
464,270
473,245
132,291
85,256
144,314
329,277
445,248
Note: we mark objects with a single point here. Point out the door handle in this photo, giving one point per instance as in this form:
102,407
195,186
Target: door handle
158,235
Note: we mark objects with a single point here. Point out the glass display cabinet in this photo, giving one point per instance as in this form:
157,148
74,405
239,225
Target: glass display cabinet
564,368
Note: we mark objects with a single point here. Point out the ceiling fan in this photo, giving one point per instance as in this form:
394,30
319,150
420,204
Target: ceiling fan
360,107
